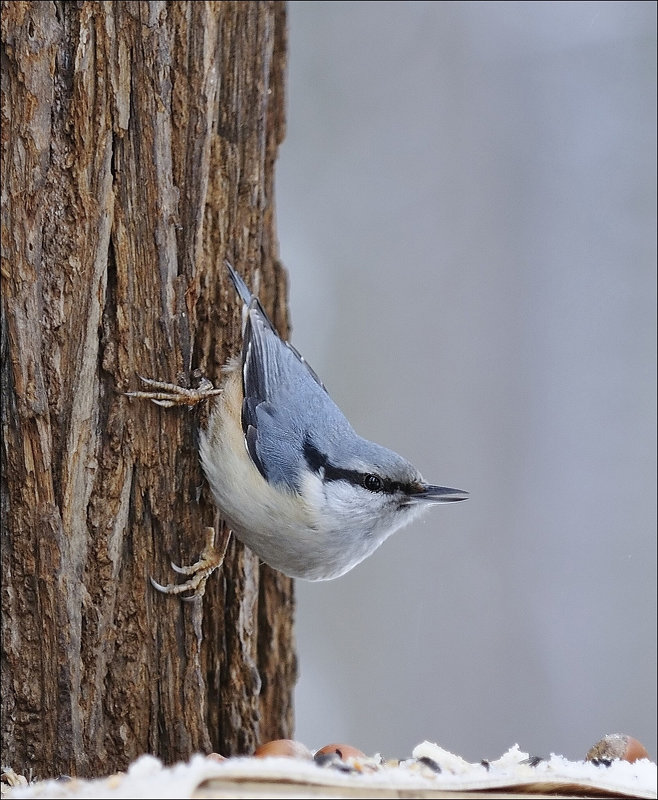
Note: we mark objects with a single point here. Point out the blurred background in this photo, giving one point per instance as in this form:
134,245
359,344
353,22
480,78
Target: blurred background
466,207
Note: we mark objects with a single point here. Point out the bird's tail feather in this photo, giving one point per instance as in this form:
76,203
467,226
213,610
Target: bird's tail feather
240,285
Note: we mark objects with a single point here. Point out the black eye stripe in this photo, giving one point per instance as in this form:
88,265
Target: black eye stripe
318,461
314,458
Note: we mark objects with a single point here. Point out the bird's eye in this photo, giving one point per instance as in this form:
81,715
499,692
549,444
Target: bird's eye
373,483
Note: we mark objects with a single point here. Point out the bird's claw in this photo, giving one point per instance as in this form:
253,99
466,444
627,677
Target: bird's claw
171,394
210,559
196,584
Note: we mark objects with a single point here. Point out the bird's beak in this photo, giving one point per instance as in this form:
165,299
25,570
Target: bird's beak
439,494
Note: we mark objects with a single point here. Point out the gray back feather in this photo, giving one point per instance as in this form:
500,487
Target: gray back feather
286,405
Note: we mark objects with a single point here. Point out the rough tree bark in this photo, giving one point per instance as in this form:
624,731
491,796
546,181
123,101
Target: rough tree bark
138,149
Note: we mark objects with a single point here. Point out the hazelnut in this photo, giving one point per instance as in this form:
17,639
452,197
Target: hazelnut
617,745
287,748
343,751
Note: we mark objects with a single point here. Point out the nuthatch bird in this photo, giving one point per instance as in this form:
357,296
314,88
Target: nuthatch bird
289,474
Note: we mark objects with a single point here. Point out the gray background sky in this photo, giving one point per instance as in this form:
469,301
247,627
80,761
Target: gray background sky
466,207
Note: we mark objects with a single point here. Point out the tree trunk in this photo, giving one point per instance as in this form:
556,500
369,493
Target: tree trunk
139,141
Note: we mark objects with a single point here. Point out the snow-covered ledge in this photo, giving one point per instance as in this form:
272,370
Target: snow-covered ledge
431,773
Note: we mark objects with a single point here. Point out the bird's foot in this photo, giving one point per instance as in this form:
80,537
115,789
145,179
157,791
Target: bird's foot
170,394
210,559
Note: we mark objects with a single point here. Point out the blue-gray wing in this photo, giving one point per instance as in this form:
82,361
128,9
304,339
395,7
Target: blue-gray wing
284,402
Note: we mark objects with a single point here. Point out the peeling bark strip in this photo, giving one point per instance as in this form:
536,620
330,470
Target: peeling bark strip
138,148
